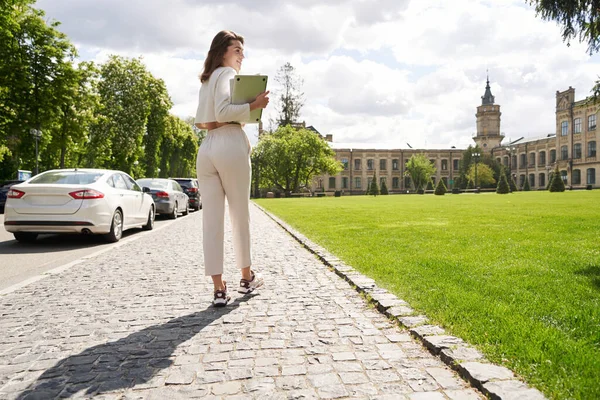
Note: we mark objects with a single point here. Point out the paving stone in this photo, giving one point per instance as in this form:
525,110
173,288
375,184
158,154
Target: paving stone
138,323
481,373
461,353
439,342
512,390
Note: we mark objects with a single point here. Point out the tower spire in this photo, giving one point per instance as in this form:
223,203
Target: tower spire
487,98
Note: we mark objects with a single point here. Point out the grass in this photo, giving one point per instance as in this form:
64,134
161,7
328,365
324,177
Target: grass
516,275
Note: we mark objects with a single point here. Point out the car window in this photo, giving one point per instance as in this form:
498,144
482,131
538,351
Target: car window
154,184
131,183
110,182
120,182
184,182
67,177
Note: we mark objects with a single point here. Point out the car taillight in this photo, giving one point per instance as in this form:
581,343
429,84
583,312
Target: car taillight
86,194
162,194
15,194
193,190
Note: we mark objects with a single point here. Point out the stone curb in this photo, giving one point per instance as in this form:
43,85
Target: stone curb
496,382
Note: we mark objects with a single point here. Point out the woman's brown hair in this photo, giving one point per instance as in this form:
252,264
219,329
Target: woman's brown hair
218,48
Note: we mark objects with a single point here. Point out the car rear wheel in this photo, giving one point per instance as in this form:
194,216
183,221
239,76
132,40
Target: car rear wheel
187,209
26,237
173,215
116,228
150,222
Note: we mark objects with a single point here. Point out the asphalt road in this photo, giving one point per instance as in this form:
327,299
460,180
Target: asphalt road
20,262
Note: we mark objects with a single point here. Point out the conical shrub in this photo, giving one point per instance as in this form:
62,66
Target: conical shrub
512,184
526,187
557,184
502,187
384,189
440,188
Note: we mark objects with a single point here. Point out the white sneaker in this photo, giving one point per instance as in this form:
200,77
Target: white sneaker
249,286
221,298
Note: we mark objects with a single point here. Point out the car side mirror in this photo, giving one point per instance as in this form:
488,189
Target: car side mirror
146,189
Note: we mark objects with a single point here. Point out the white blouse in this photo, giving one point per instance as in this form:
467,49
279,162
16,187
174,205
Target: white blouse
214,103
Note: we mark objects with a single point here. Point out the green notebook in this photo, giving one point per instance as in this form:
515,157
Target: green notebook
245,89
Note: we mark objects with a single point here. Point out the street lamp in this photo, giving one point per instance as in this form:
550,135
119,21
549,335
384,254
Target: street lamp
37,134
476,156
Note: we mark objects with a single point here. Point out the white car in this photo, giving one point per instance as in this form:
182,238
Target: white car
86,201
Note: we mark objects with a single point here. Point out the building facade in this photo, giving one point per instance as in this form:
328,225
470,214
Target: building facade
572,147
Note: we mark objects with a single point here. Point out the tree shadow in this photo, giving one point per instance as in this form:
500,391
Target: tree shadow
593,272
124,363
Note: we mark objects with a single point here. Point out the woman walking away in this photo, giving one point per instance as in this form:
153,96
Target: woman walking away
223,164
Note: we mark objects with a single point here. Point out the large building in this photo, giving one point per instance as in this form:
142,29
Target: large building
572,147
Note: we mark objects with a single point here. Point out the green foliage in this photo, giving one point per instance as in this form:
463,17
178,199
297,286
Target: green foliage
291,98
526,187
429,185
289,158
440,188
557,184
513,185
502,187
384,189
373,188
420,170
469,184
485,175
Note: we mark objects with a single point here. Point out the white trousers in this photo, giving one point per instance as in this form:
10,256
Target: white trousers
224,170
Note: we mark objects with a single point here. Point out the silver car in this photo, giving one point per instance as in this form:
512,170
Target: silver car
168,196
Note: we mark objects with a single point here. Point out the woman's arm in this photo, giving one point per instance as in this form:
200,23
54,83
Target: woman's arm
224,110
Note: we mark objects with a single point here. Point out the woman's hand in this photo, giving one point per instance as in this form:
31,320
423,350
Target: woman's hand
261,101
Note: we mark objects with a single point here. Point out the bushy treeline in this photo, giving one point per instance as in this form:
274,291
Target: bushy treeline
112,115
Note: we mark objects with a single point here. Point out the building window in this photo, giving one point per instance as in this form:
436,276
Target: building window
542,158
564,128
577,150
505,161
521,180
542,179
531,159
395,165
320,184
455,165
332,182
370,164
523,161
344,182
592,122
444,165
577,125
552,156
357,164
564,152
382,165
591,149
345,163
407,182
395,182
381,181
531,180
432,161
369,182
576,177
591,176
514,162
357,183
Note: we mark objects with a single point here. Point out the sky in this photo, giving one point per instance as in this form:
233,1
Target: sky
376,73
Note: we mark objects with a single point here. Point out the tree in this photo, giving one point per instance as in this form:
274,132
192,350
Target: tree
290,158
373,188
420,170
440,188
485,175
513,185
384,189
526,187
557,184
291,98
503,187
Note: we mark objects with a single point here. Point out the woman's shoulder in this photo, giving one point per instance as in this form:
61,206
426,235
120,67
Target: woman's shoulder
224,70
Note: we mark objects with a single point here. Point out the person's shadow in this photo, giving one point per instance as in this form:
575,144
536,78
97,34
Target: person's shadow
127,362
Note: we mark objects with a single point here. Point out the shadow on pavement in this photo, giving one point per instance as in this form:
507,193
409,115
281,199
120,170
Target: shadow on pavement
126,362
592,272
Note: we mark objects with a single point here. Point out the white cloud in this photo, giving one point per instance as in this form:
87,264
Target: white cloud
375,72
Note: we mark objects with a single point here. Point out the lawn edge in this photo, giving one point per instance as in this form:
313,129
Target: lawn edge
494,381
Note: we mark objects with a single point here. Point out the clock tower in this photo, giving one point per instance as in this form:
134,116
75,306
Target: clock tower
488,122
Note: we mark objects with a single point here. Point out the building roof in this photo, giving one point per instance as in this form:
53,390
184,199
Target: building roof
487,98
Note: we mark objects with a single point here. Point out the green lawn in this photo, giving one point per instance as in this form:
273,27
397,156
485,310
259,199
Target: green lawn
517,275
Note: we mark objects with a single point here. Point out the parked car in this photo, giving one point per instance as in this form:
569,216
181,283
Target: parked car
4,187
83,201
167,195
190,187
